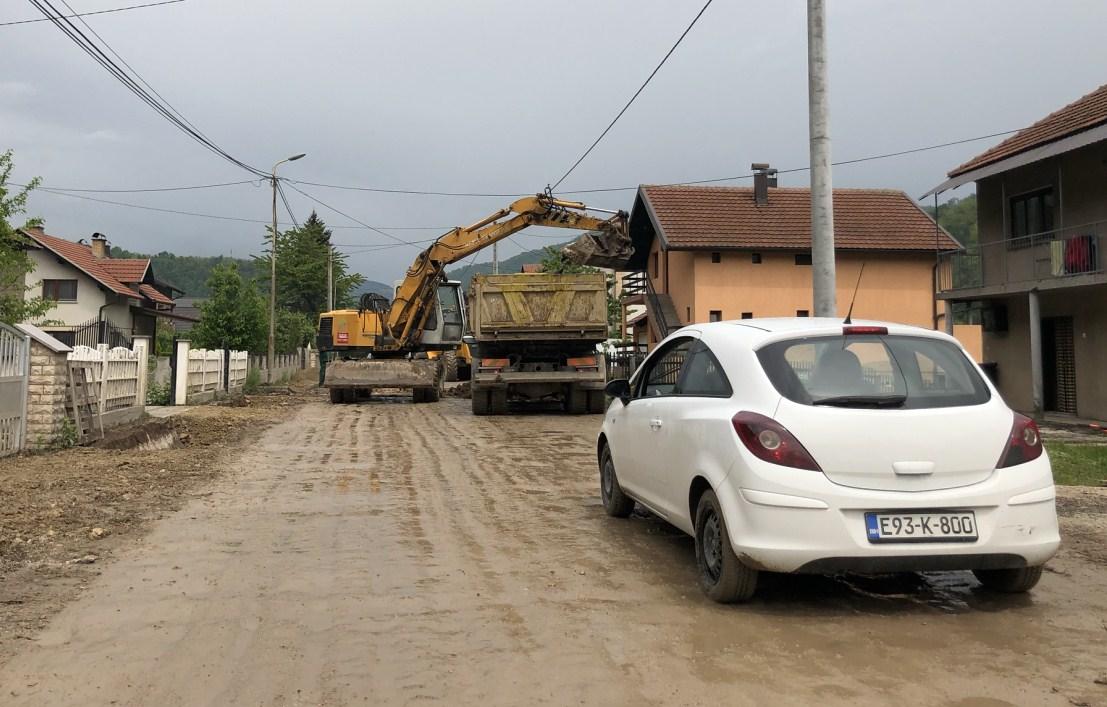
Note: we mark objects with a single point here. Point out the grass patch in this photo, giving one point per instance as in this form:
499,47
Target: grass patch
1078,464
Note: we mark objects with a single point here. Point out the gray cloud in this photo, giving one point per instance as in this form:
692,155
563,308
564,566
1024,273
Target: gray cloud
491,95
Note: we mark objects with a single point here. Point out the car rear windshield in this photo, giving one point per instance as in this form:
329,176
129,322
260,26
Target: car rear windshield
873,371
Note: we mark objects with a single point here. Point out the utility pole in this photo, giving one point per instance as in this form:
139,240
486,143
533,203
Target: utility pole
271,354
823,278
495,258
330,276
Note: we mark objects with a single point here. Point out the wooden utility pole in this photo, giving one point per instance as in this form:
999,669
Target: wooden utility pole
823,276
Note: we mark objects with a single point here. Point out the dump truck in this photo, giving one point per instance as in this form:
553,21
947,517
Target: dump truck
534,337
387,343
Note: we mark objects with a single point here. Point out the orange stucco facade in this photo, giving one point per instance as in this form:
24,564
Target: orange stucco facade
895,287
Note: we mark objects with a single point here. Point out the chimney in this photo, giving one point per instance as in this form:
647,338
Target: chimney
100,246
763,178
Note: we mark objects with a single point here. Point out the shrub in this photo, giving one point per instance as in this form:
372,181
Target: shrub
253,380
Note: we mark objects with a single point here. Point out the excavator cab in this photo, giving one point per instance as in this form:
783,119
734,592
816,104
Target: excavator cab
446,323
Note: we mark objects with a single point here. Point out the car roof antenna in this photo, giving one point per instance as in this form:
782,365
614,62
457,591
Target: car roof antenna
849,314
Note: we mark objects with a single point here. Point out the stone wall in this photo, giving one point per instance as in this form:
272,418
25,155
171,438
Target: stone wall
46,412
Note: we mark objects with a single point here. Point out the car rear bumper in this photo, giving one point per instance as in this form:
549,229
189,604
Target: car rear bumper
802,530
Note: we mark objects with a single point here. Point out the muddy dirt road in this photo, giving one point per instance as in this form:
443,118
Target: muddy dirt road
387,553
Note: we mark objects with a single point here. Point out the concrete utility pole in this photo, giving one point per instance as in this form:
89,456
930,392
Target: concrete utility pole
823,277
495,258
272,352
330,276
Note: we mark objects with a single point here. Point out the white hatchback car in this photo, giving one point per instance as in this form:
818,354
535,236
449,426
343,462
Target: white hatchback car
809,445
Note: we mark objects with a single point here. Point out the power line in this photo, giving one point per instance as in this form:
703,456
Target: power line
94,12
343,213
68,193
636,94
287,206
163,108
156,189
420,192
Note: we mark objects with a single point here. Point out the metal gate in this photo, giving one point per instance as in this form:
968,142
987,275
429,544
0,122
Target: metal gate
15,359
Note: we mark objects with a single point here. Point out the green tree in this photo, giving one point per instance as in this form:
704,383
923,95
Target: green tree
553,260
958,216
234,316
294,330
15,263
302,270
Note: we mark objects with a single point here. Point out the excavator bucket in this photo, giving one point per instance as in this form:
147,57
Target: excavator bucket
601,249
382,373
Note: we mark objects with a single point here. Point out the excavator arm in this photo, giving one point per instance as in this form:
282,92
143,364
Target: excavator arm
415,295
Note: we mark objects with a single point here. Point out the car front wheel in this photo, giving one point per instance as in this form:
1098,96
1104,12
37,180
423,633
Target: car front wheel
1010,581
723,577
615,502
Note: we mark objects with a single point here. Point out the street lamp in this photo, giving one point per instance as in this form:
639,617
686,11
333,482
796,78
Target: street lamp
273,274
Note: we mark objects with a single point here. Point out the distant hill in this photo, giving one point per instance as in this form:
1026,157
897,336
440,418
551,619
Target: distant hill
190,272
508,265
373,286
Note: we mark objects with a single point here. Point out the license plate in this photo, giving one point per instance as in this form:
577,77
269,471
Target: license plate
951,526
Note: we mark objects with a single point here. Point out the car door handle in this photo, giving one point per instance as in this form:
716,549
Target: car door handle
655,424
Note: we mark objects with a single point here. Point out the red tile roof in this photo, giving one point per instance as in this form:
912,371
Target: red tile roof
1080,115
727,217
127,270
109,273
153,294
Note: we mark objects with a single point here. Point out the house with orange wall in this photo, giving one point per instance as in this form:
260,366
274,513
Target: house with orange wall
716,253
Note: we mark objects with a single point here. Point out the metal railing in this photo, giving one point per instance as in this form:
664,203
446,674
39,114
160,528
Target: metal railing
1050,255
92,333
639,284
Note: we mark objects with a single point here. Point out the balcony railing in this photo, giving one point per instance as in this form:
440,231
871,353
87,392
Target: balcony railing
1051,255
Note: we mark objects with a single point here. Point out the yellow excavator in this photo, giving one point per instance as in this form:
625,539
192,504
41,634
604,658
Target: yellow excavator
384,344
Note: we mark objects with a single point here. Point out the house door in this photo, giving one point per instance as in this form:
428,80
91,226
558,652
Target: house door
1058,365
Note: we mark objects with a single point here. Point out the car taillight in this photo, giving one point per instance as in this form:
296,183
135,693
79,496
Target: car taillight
767,439
1024,444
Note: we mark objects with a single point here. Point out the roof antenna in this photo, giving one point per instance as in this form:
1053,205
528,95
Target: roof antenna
849,314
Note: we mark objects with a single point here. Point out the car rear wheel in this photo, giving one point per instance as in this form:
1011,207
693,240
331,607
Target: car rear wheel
616,503
723,577
1010,581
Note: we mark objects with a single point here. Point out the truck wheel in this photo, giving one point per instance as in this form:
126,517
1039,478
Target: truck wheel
349,395
498,401
431,395
336,396
576,400
596,402
449,362
418,395
480,401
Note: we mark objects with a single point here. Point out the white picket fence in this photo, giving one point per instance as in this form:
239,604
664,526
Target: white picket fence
206,369
116,375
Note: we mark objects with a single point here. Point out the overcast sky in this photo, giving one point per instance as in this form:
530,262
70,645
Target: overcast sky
502,96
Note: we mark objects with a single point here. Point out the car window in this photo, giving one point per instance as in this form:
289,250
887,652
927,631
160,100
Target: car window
662,371
873,370
702,374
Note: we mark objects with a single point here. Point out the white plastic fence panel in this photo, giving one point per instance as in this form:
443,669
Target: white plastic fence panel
239,365
119,384
15,348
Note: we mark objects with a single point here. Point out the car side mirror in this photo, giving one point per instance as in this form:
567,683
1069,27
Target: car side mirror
469,339
618,388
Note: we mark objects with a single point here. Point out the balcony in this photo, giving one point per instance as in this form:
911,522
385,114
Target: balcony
1047,259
